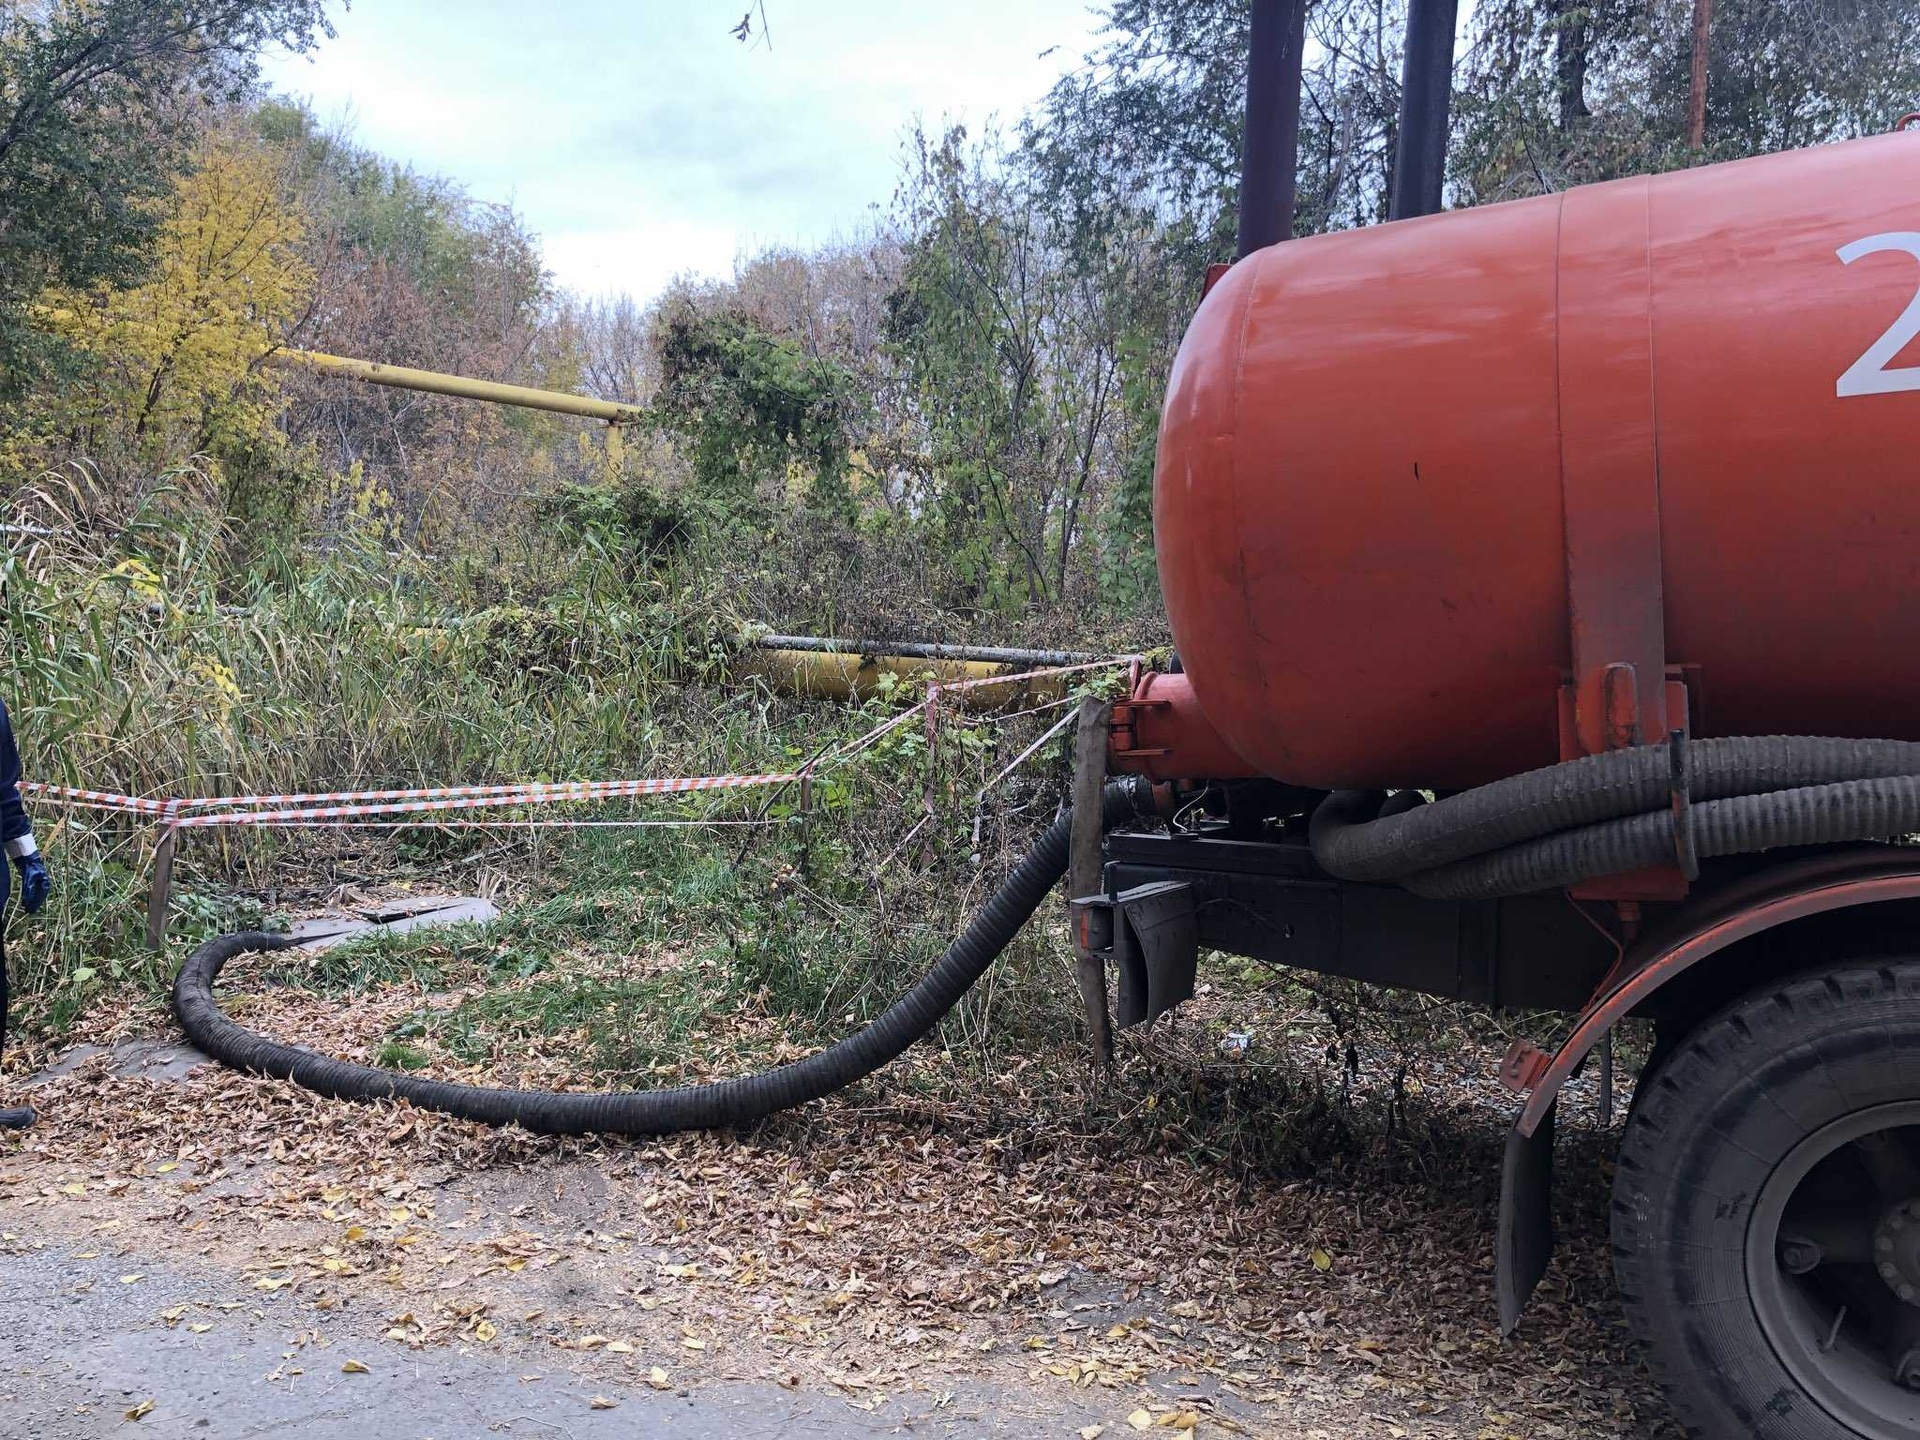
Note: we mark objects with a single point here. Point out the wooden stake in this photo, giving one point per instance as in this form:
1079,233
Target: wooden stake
1697,96
160,897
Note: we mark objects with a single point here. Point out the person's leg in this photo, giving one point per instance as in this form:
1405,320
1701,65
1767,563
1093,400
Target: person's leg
21,1116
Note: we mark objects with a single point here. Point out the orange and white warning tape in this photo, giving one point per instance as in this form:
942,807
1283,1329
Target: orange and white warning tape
354,807
300,808
68,796
498,794
532,795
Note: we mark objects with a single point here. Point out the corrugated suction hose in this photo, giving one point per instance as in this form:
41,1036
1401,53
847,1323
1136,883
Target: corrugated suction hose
651,1112
1606,814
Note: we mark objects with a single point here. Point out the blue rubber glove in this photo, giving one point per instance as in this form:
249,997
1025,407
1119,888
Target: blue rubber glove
34,882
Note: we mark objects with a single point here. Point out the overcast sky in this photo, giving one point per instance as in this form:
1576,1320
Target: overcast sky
641,140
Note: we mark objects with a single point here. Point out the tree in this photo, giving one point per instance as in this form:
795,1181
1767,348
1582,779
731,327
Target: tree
173,366
177,357
1015,342
1555,93
761,418
98,105
413,271
1153,117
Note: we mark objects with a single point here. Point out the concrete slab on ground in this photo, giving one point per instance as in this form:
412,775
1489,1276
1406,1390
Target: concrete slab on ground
172,1060
166,1060
321,932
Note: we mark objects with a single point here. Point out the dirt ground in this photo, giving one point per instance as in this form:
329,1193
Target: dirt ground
214,1254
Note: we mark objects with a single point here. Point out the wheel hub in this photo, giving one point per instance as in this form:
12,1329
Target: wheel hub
1896,1250
1833,1262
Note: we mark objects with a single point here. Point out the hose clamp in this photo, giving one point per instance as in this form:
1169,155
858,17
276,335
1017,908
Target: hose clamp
1680,788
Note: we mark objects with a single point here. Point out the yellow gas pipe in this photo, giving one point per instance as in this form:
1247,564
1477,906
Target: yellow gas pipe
842,675
434,382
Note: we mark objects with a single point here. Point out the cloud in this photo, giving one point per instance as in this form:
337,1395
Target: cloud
640,139
640,260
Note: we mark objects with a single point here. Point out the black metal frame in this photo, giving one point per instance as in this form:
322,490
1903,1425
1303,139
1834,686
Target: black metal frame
1268,900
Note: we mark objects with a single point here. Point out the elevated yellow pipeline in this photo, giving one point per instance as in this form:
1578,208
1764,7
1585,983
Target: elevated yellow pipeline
828,675
436,383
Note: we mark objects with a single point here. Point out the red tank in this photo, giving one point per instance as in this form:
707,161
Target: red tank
1371,441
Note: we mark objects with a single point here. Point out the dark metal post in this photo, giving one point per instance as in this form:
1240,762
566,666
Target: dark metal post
1083,865
1270,152
1426,88
1606,1081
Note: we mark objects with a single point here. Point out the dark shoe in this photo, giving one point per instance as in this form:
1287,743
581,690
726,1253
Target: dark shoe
18,1118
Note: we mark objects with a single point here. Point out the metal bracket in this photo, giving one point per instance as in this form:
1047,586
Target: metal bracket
1523,1065
1680,782
1125,744
1622,691
1609,468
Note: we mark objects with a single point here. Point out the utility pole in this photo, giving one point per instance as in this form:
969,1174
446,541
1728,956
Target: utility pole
1426,92
1269,155
1697,96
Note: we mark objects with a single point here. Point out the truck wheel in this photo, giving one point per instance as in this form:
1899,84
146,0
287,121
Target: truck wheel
1766,1211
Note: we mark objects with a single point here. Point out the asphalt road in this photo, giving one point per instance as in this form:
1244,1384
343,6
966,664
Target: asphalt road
80,1348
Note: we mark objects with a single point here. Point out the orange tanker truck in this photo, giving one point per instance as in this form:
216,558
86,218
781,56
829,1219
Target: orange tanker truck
1545,581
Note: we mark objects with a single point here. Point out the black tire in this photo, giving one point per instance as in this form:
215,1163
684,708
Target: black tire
1721,1141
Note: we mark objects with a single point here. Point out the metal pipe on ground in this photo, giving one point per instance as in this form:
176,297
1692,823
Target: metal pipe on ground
853,675
928,650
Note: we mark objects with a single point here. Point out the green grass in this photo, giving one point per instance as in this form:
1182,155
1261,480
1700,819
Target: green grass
146,663
398,1055
142,663
625,1030
642,951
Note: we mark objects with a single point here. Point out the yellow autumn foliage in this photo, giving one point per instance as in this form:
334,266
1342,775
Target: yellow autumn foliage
177,359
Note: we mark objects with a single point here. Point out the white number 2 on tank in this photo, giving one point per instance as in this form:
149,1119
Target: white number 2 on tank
1869,374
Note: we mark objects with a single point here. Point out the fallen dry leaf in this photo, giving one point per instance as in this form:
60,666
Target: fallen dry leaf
354,1367
143,1409
601,1402
847,1190
1140,1420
